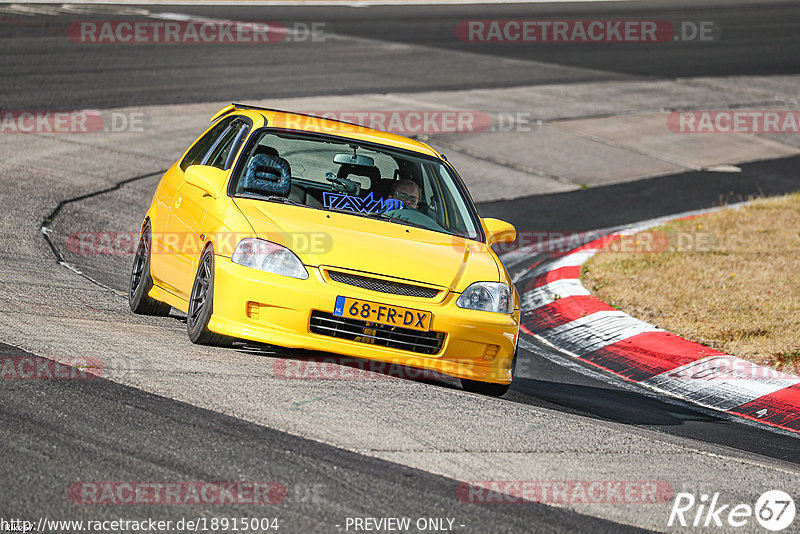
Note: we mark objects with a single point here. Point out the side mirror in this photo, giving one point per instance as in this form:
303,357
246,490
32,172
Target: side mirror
209,179
498,231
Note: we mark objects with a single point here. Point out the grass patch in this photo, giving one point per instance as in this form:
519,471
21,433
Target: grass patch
729,280
787,361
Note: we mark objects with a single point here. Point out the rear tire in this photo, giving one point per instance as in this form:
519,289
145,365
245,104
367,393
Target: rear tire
201,304
142,282
489,388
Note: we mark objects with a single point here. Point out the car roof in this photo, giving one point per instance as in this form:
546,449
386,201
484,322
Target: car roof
303,122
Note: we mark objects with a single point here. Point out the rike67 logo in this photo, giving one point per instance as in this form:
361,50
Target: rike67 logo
774,510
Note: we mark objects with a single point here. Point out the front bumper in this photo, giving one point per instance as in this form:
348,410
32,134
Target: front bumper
269,308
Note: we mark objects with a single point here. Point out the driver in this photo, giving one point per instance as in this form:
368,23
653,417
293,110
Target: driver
407,192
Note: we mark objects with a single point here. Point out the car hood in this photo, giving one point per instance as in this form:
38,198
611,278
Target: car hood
331,239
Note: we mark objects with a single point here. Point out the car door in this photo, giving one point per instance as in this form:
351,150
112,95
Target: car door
164,244
182,237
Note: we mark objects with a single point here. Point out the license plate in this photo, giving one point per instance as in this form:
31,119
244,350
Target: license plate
375,312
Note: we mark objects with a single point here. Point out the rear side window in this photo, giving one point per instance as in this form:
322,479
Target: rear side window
201,147
220,152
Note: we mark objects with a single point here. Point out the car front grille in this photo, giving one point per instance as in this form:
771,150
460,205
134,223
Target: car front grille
383,286
395,337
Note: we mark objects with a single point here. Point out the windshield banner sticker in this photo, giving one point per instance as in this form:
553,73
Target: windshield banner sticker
368,204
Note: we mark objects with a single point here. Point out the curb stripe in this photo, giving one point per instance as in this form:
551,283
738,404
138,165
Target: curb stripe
558,309
716,382
573,259
562,273
778,408
561,312
596,331
549,293
647,354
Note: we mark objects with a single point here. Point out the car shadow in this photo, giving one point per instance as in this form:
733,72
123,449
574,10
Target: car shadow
616,405
604,403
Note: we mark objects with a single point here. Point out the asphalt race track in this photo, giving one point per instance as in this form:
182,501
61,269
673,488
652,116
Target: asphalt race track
759,39
166,410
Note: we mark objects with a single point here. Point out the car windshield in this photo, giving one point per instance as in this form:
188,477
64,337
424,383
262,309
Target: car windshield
367,181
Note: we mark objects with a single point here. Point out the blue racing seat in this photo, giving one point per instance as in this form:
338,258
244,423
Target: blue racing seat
268,175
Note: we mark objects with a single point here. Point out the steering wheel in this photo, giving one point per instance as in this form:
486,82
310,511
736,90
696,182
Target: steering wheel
343,185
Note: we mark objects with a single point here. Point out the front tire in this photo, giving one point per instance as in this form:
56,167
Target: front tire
484,388
201,304
142,282
490,388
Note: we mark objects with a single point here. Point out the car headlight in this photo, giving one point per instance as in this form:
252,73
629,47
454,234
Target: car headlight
270,257
487,296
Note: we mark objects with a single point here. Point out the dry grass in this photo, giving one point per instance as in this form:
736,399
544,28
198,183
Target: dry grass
729,280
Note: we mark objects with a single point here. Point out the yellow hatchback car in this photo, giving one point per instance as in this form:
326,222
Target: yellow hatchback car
300,231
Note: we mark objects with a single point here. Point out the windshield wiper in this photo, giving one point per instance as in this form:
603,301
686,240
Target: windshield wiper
273,198
284,200
408,223
381,217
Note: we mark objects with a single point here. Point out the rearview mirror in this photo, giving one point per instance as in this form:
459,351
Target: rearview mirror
209,179
354,159
498,231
